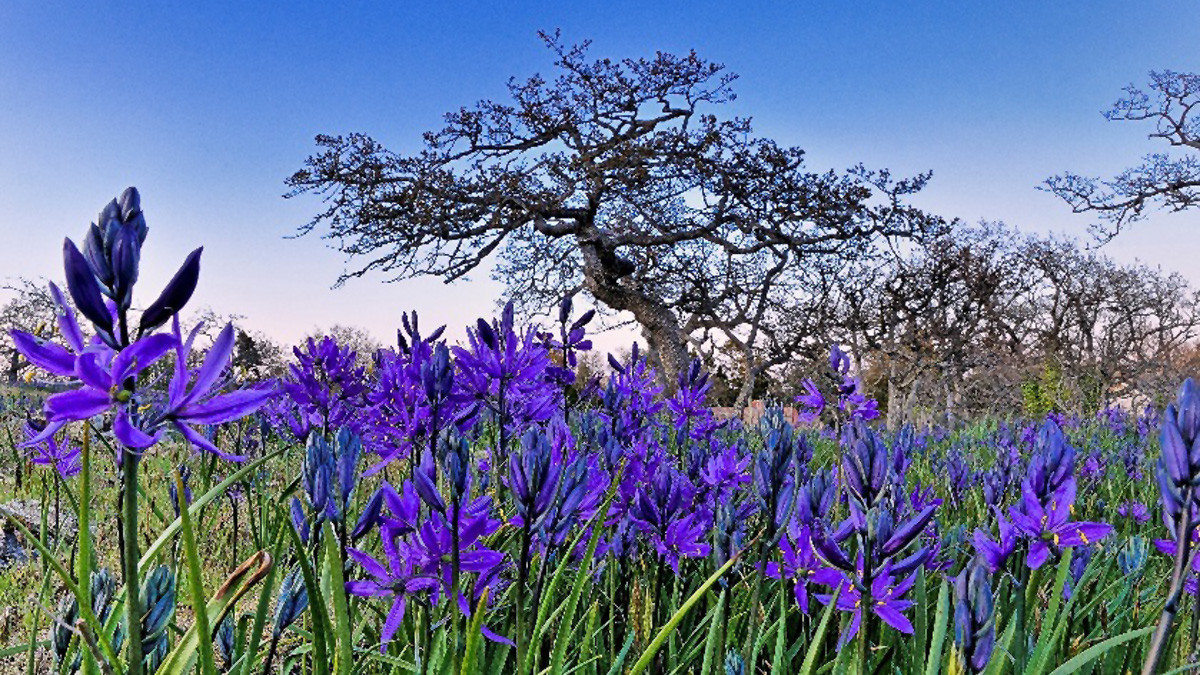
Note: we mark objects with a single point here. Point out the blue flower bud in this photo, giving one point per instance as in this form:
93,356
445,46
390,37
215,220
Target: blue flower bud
564,309
84,290
974,617
299,520
318,476
175,295
293,599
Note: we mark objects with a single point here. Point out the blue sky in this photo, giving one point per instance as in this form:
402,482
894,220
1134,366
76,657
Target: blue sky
207,107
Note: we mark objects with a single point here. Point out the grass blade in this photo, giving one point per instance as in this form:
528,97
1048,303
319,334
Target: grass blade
196,587
814,649
665,632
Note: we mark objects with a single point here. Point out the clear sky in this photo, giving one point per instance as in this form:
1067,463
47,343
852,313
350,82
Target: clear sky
208,106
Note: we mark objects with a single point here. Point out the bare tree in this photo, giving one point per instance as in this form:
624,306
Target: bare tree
31,309
612,178
1172,182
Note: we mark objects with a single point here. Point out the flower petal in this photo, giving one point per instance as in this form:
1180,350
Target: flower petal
140,355
226,407
78,404
129,435
52,358
197,439
214,364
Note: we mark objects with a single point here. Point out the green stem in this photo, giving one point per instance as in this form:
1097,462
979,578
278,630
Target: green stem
133,605
84,536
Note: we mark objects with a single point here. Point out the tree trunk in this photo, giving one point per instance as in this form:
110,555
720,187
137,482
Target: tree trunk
746,393
893,401
609,279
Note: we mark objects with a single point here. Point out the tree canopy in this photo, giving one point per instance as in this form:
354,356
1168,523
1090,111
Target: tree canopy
618,178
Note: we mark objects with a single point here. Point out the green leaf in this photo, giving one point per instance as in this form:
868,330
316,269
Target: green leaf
558,658
472,652
648,655
620,660
920,622
316,606
941,623
336,594
777,663
814,648
83,564
712,650
183,657
1086,656
196,587
1049,622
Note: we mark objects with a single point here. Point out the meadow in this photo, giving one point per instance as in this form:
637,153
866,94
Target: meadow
483,508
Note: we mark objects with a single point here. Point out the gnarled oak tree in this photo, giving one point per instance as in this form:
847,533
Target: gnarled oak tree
615,178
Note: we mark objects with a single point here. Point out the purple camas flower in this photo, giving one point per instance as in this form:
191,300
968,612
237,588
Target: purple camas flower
812,400
663,510
886,602
106,377
570,341
504,373
418,553
631,398
1093,467
107,370
61,456
1049,524
1135,511
802,566
688,406
327,385
996,553
724,472
398,579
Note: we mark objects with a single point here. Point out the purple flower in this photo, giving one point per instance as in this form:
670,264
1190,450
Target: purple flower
886,601
663,511
693,418
62,457
724,473
397,580
1051,525
995,554
1135,510
327,384
801,565
107,378
192,401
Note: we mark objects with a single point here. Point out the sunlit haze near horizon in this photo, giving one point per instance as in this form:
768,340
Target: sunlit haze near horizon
208,107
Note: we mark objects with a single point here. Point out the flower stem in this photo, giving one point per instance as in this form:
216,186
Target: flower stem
1162,632
133,605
